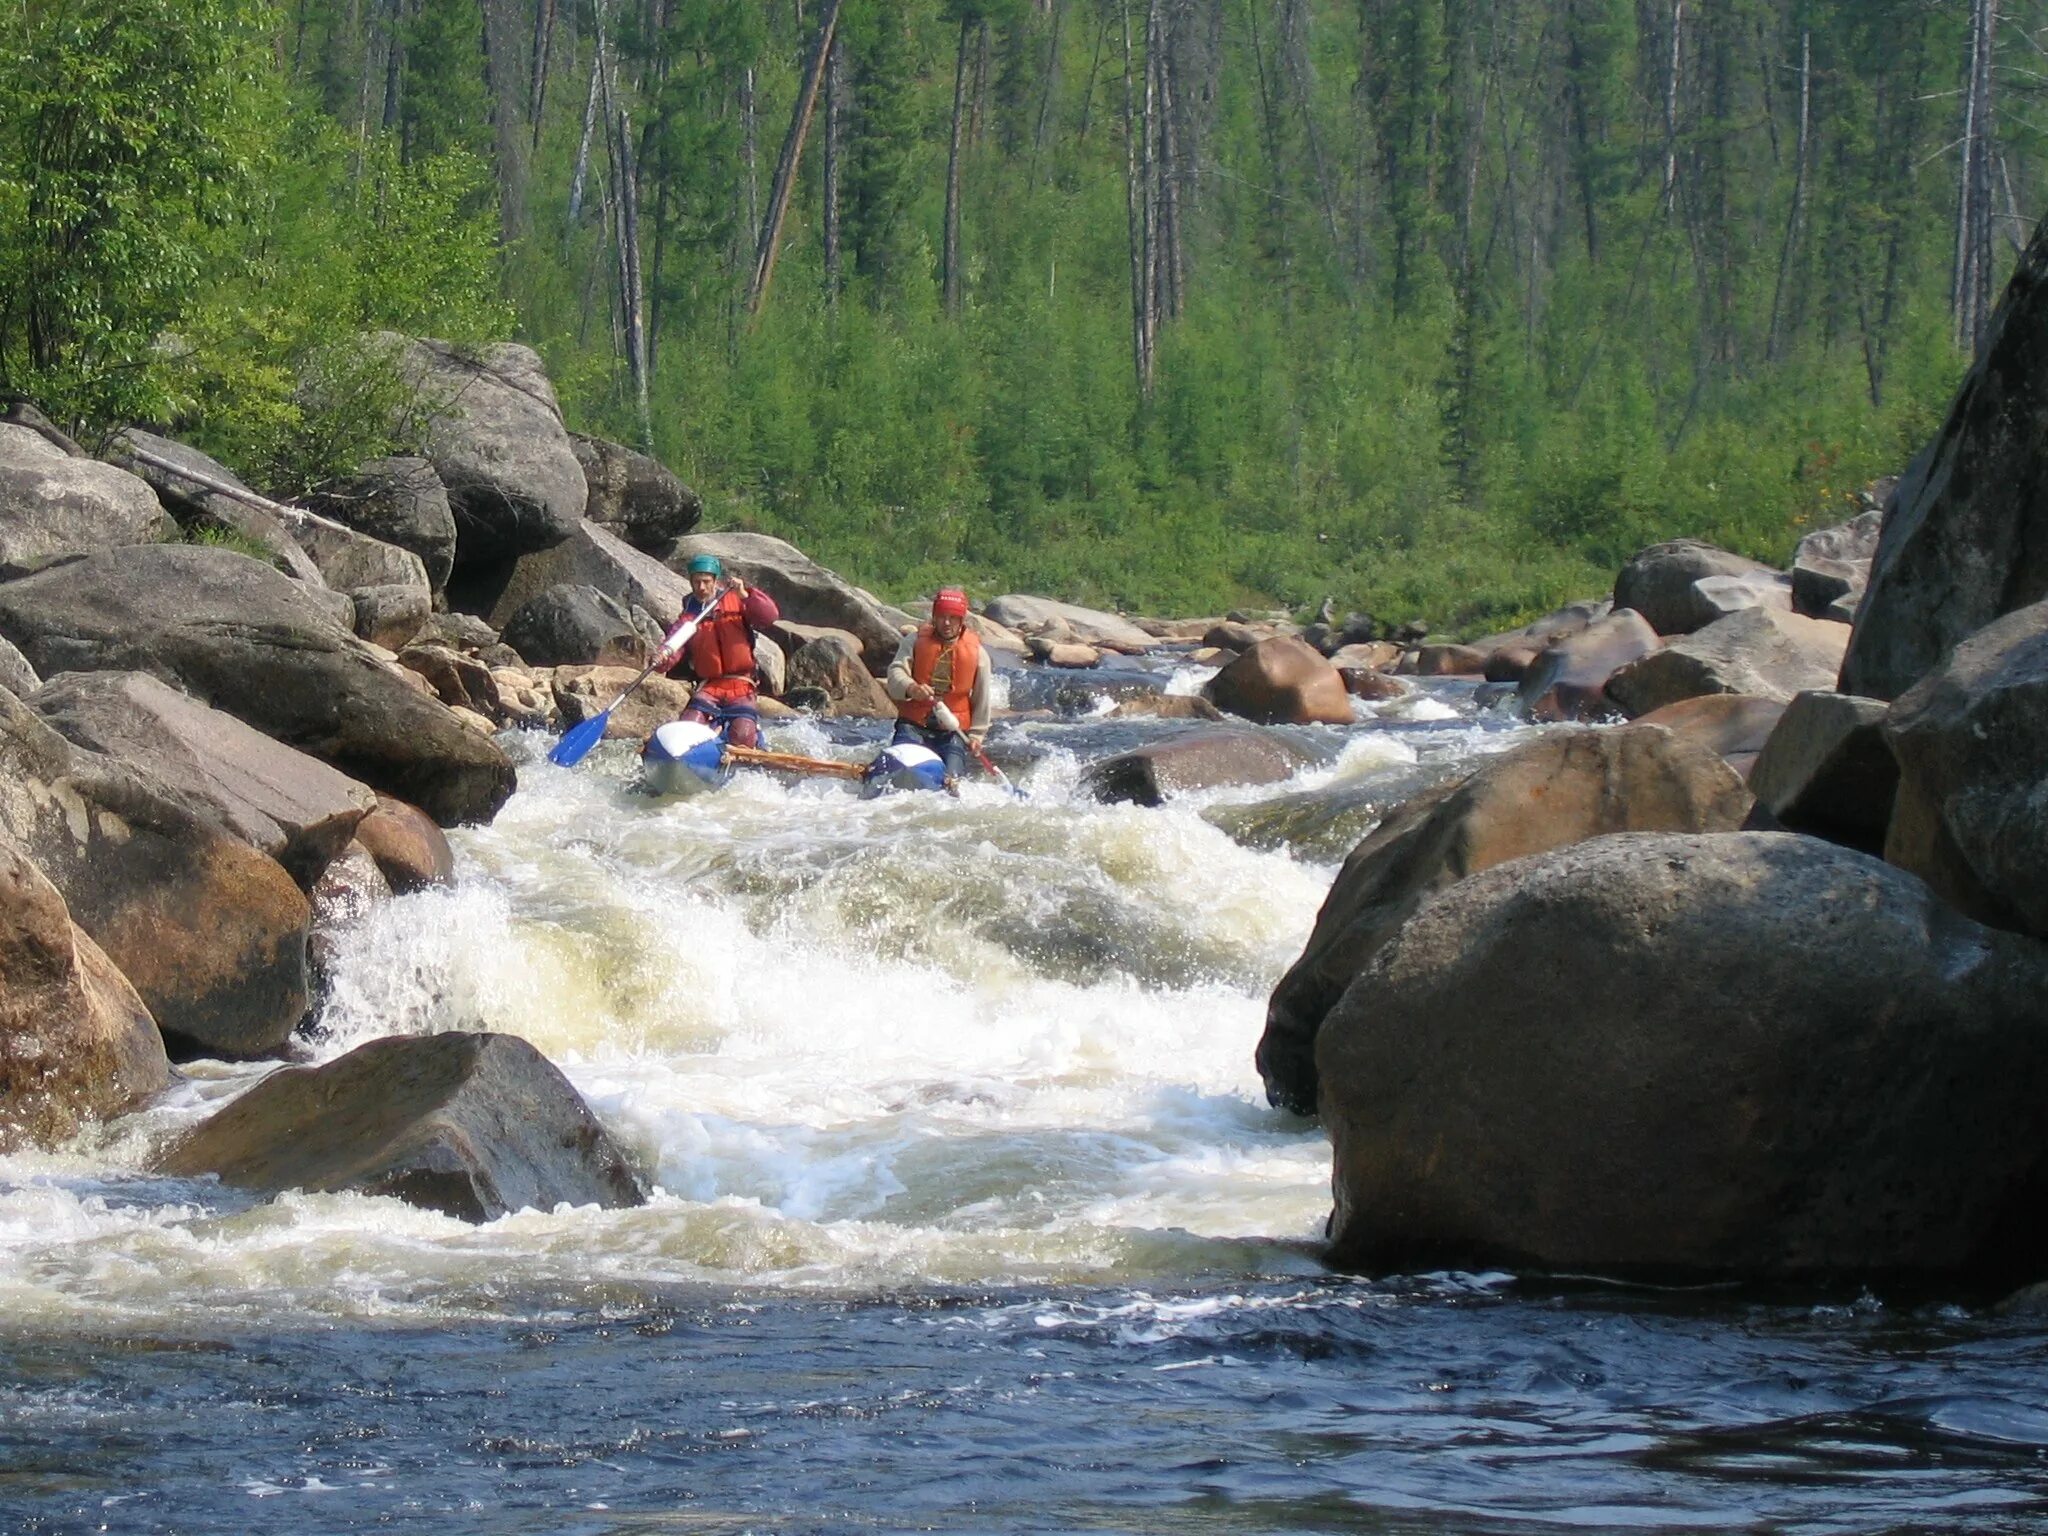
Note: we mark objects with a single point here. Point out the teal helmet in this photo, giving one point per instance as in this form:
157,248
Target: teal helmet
706,565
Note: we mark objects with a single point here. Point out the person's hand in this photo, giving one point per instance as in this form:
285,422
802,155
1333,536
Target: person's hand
974,739
920,691
738,588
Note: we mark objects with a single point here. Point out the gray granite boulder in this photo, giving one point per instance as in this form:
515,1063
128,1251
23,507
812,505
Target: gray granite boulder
399,500
237,635
1832,565
494,435
1562,788
1965,536
1971,740
276,799
1764,652
1735,1055
473,1125
54,504
634,497
1826,770
1658,583
205,496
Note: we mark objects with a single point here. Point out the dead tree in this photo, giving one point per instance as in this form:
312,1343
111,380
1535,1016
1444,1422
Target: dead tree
792,154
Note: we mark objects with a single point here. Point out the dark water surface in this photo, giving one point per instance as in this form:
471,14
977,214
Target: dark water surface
1284,1406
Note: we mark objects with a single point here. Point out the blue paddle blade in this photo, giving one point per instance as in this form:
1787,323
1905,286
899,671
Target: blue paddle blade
577,741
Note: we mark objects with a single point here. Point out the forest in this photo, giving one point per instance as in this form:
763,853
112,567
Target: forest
1428,308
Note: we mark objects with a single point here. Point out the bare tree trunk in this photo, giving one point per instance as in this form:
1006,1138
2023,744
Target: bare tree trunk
501,56
632,294
1970,299
835,96
1135,217
589,119
394,65
1052,85
1172,274
792,154
749,145
1792,219
949,260
1671,103
543,42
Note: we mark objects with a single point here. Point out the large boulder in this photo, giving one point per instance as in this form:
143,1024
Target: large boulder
1202,759
1658,583
1567,680
16,675
211,932
634,497
205,496
803,589
1561,788
1831,567
238,636
1966,530
293,807
76,1043
1753,1054
584,693
473,1125
572,624
350,561
1971,740
589,557
1733,724
830,663
54,504
1763,652
1282,681
1826,770
496,439
399,500
1067,621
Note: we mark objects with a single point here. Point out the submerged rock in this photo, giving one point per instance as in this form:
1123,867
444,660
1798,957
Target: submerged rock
473,1125
1201,760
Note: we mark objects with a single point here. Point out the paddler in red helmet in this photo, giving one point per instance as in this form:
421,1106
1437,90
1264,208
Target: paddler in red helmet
719,656
940,682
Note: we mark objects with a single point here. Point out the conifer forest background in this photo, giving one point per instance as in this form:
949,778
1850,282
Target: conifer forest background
1434,308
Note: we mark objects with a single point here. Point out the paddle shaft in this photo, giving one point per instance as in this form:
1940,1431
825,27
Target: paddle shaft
790,762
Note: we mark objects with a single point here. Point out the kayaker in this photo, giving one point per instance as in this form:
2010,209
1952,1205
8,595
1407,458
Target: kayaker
940,682
719,657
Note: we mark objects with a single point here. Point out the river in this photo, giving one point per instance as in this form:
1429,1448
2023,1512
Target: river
969,1216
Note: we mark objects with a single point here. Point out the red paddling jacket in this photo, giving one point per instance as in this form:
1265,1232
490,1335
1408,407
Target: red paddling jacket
720,655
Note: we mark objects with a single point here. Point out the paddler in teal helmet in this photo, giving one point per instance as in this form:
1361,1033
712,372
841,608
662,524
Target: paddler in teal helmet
719,657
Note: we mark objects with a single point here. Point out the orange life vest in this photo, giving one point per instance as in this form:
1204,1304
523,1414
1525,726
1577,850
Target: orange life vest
959,695
723,646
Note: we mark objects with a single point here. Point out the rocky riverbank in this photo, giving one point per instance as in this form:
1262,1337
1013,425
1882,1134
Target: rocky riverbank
1754,985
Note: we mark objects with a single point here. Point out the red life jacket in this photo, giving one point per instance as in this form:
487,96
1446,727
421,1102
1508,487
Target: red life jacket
959,697
723,646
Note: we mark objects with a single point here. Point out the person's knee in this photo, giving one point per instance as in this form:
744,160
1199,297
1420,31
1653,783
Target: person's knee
745,732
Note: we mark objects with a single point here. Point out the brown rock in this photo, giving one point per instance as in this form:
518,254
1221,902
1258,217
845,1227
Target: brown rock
1747,1055
1569,680
1733,724
1559,789
1282,681
76,1043
583,693
410,851
1768,653
1154,772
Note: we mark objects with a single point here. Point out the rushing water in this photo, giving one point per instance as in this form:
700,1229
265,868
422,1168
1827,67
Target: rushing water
970,1216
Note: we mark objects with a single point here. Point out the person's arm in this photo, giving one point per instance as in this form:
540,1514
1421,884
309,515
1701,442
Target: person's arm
977,696
759,609
897,682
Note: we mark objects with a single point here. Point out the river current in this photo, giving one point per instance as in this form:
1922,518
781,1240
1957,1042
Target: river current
969,1216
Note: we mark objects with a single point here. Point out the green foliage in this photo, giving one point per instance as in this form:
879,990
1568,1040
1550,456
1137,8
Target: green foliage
125,137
